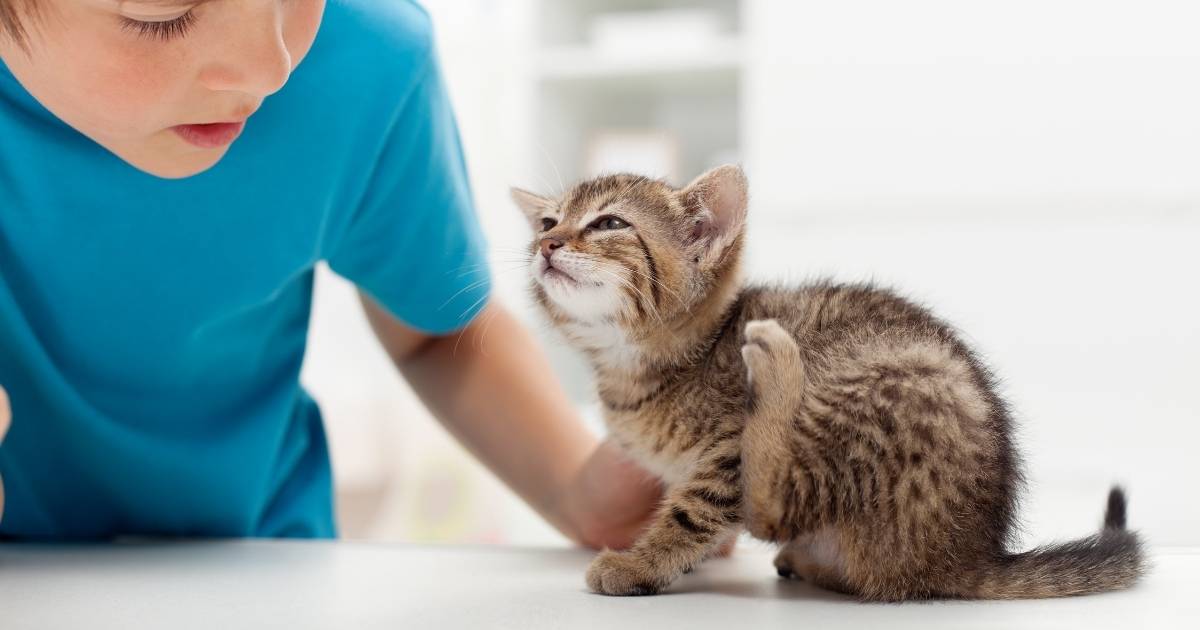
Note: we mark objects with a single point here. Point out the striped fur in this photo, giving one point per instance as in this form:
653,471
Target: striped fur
843,422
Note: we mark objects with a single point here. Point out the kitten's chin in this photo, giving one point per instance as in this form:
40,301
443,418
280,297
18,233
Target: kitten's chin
584,302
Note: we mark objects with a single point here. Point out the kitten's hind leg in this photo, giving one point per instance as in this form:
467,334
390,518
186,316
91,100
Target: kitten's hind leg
775,374
814,558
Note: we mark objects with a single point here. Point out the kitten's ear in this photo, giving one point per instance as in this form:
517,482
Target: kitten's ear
717,203
533,205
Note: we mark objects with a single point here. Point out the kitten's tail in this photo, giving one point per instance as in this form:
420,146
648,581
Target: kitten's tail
1110,560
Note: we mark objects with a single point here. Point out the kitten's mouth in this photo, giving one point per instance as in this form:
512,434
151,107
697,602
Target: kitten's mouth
554,274
550,275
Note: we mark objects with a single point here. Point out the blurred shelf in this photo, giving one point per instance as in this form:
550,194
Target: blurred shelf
568,63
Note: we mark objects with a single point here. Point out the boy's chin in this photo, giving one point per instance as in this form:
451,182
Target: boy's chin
170,158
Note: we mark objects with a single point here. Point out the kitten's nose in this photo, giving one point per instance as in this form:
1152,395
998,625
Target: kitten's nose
549,245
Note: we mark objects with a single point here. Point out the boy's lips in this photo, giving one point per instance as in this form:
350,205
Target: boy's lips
210,135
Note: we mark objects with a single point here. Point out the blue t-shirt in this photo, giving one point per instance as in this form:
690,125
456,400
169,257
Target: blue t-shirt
152,331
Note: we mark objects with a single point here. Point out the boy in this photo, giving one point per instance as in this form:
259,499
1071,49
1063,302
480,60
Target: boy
170,173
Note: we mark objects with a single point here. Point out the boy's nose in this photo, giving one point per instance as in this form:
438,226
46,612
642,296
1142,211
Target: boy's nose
548,246
256,61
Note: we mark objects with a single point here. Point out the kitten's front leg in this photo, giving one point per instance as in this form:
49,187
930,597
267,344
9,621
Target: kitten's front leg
776,382
696,517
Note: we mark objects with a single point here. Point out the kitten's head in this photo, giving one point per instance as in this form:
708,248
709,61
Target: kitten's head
634,251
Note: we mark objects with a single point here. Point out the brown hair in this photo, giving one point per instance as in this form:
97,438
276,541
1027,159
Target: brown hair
10,18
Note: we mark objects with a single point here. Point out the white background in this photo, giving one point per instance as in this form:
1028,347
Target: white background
1029,168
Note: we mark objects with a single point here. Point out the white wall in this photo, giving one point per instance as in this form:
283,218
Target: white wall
1055,106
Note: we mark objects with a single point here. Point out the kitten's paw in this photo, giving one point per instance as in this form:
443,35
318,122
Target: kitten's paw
796,561
614,573
784,563
771,354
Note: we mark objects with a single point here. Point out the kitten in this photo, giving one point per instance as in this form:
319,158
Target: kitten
842,422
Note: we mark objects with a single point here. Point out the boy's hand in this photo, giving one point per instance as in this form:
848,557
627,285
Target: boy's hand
5,419
611,499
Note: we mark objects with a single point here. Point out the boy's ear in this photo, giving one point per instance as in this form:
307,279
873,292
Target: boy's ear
717,202
533,205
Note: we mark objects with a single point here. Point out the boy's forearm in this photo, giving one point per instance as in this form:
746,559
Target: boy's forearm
495,391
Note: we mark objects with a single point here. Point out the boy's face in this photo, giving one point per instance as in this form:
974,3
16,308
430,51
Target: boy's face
164,85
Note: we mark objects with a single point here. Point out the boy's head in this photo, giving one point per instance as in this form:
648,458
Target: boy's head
163,84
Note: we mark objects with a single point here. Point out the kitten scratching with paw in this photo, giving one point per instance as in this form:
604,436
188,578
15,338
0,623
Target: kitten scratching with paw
843,422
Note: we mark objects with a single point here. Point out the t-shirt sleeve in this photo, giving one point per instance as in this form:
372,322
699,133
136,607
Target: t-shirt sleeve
414,243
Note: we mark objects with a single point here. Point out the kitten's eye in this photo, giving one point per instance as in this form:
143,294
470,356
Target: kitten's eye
548,223
609,223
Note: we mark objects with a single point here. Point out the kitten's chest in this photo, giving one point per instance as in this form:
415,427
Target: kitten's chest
665,436
666,418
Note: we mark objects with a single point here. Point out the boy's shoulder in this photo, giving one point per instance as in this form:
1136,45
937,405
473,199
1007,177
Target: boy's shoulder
369,46
391,28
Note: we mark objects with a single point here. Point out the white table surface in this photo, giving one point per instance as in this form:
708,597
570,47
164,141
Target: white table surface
341,585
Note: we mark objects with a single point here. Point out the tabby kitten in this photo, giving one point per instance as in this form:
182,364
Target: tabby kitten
842,422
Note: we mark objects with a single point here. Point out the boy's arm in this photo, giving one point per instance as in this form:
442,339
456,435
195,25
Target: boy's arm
491,387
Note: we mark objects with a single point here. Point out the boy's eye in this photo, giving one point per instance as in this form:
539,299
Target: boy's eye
548,223
160,29
609,223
